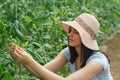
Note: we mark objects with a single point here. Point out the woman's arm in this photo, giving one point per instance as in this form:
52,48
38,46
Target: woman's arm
86,73
44,73
32,71
50,65
57,63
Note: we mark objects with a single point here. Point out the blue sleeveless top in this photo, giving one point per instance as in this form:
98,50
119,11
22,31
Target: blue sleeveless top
98,58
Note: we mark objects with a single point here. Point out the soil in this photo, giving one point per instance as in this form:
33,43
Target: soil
112,48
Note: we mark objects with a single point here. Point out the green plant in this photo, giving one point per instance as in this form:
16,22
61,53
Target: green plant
35,26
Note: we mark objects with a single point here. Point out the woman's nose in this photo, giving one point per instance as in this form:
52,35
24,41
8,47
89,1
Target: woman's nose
70,33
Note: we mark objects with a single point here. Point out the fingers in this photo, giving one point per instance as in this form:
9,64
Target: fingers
19,54
13,50
16,51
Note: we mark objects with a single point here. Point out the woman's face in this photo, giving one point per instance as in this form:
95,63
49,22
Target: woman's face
74,39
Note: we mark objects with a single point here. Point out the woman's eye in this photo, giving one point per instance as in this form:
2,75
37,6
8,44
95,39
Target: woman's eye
69,30
76,32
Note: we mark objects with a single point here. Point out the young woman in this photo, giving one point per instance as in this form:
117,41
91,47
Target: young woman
85,60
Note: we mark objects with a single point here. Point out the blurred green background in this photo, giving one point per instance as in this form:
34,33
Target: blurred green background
35,26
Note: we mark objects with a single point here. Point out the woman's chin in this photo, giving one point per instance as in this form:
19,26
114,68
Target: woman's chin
74,45
71,45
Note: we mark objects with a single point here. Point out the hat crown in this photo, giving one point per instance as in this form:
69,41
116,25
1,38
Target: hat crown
89,23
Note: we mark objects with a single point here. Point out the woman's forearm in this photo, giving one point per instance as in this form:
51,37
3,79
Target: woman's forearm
44,73
33,66
32,71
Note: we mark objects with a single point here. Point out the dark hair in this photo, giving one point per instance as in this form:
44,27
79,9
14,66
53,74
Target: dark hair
85,54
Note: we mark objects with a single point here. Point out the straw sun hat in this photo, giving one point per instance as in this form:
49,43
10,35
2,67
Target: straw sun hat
87,26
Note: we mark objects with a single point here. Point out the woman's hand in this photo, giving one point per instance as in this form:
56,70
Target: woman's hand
19,54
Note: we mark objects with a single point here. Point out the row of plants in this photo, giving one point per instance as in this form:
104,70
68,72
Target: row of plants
35,26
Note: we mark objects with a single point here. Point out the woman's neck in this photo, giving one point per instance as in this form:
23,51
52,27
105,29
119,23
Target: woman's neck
78,49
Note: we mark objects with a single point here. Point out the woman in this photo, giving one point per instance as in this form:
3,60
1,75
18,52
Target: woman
85,60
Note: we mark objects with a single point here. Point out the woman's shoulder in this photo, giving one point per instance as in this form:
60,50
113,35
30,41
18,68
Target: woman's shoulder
100,58
97,55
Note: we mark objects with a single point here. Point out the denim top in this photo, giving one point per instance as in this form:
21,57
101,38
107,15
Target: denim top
98,57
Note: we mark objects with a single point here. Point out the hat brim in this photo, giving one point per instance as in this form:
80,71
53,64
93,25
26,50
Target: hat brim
85,37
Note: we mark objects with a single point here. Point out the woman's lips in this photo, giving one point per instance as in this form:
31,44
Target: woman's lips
71,40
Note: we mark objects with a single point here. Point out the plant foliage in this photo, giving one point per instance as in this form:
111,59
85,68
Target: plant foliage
35,26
